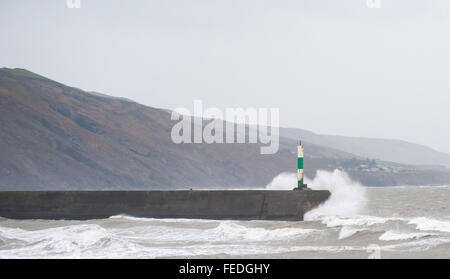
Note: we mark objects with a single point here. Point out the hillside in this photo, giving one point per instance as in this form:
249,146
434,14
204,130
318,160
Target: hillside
54,136
382,149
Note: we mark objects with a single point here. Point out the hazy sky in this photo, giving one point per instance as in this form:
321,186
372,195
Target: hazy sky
334,67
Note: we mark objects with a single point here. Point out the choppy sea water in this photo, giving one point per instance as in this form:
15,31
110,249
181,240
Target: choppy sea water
358,222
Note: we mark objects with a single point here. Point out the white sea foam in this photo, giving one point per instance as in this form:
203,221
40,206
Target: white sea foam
349,231
229,230
427,224
152,240
366,221
167,220
395,235
348,198
283,181
416,245
223,231
61,241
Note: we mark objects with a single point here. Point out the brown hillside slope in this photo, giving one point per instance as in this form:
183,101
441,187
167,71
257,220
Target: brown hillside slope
54,136
57,137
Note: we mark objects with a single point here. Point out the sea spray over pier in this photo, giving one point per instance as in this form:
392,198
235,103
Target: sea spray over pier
348,197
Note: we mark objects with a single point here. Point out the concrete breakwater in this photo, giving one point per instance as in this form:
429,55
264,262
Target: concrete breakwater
193,204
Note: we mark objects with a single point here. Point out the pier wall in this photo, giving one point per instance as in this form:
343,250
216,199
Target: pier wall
226,204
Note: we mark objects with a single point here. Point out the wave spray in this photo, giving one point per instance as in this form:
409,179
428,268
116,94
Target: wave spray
348,197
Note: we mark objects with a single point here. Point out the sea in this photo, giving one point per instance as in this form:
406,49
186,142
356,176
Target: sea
356,222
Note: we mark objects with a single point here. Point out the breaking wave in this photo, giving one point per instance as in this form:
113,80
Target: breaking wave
348,197
349,231
394,235
122,237
366,221
229,230
427,224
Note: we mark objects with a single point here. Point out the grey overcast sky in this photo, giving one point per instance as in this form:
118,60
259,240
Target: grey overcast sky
334,67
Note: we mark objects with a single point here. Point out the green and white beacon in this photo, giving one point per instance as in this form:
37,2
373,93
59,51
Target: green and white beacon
300,173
